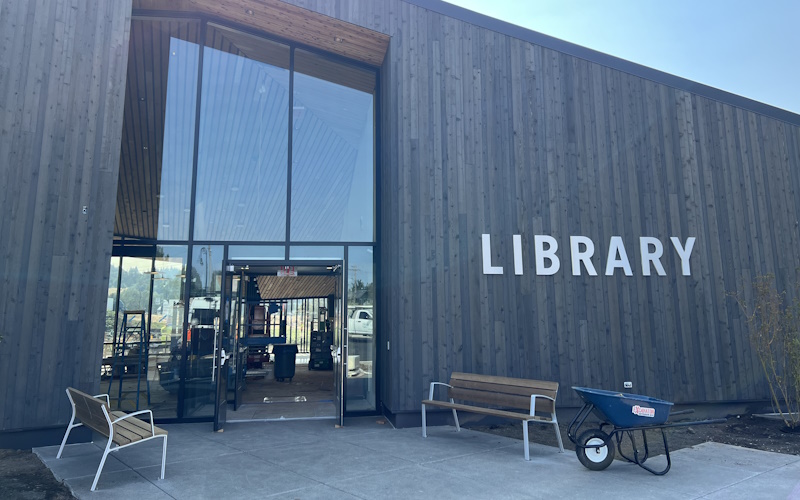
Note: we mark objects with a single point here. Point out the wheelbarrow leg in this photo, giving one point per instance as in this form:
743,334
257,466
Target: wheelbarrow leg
640,461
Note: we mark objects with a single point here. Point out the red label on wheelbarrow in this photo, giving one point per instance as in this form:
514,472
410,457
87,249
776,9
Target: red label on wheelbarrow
643,411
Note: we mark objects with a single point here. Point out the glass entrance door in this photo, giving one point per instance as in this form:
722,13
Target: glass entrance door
340,345
225,348
240,360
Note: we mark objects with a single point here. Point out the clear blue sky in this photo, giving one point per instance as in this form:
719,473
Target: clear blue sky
750,48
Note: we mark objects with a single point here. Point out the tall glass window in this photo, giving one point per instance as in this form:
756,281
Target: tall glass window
124,366
243,144
112,318
360,329
332,151
154,195
203,332
166,329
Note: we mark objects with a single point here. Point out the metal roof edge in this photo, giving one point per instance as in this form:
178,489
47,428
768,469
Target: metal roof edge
591,55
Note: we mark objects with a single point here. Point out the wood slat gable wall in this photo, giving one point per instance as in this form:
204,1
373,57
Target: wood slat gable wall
61,102
482,132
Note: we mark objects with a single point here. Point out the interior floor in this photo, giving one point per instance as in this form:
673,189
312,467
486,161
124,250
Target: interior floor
309,394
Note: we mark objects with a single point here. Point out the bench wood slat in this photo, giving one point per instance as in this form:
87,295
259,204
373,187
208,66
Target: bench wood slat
486,411
499,399
509,381
505,389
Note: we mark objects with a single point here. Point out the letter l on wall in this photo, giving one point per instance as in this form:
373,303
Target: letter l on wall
486,247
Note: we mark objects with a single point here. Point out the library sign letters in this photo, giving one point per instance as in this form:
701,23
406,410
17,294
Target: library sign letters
582,254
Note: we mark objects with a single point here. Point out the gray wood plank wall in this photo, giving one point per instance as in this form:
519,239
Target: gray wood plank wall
485,133
481,133
62,84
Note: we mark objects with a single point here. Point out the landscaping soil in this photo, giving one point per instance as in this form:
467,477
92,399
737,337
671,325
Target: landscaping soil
23,476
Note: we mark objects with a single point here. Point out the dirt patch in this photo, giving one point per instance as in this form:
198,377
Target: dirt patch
24,476
745,431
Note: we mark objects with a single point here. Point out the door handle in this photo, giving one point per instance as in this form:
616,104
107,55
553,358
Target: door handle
223,357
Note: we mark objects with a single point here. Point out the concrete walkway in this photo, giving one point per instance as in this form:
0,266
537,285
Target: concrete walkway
367,460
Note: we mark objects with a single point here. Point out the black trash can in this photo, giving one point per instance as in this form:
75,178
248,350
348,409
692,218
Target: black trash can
285,356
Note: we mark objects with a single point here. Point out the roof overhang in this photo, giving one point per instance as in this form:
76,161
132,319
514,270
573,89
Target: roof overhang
285,21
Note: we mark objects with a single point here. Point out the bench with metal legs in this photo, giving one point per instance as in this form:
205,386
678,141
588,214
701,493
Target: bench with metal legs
531,395
122,429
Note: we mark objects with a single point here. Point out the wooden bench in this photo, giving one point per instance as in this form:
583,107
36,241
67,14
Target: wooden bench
122,429
504,392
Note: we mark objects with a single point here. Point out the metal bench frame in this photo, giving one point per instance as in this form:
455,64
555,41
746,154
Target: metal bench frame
109,431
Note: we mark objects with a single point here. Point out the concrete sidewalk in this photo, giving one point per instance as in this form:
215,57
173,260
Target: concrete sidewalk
367,460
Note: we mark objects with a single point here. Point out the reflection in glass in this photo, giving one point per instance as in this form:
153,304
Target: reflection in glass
176,165
166,329
155,172
360,329
243,144
332,151
203,333
125,367
256,252
111,316
316,253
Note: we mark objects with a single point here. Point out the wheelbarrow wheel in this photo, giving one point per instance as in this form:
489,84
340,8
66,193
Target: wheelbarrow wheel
595,458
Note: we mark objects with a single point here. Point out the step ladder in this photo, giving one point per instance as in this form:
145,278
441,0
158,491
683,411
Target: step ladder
131,350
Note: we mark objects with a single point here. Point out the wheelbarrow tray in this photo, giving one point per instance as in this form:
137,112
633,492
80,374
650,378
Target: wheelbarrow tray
624,410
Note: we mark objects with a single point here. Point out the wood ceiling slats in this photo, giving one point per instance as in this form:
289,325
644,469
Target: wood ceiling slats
295,287
289,22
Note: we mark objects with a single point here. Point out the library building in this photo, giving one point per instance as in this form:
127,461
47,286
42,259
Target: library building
267,210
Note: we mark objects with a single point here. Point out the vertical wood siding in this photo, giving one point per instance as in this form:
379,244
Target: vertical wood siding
62,84
484,133
480,133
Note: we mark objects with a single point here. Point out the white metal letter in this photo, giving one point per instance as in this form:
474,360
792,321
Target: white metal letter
578,256
517,254
617,248
486,247
645,242
684,253
541,254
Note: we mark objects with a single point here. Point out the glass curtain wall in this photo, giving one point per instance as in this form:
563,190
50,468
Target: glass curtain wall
233,143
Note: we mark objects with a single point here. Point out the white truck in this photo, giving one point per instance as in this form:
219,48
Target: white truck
360,321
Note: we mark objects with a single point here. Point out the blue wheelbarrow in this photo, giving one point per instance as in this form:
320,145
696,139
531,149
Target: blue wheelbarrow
621,415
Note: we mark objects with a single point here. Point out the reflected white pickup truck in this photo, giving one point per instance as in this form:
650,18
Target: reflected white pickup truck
360,322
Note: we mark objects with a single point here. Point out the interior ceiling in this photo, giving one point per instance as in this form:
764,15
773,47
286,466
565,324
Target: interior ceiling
273,287
289,22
